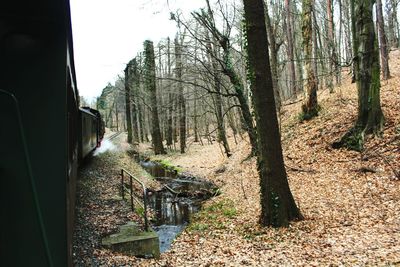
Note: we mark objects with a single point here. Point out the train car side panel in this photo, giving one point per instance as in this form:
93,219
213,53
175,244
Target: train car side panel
33,45
88,132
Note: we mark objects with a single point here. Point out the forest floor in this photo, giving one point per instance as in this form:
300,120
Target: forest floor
350,200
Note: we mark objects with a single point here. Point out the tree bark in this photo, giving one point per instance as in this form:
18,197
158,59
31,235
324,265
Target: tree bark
181,98
382,39
367,75
134,99
150,82
290,44
277,204
170,97
370,116
333,58
273,49
128,102
310,107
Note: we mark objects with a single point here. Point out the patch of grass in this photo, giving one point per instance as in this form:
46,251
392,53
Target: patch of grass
139,210
224,207
230,212
198,227
214,216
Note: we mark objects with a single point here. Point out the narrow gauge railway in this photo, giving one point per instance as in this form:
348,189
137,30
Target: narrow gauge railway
43,133
113,136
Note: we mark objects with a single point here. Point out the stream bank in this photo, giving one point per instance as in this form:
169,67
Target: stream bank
181,196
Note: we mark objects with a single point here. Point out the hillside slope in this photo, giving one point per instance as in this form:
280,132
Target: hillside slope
350,200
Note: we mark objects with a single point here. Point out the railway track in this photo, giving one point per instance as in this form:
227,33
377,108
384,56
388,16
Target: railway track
113,136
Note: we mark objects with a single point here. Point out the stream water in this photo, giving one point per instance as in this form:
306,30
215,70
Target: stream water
181,197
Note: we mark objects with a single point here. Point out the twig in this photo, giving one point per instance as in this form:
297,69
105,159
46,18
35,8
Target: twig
396,173
244,193
299,170
365,170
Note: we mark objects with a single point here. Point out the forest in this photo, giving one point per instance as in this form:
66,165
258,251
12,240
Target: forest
292,108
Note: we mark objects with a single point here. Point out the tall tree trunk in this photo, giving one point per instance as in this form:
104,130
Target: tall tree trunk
310,107
396,29
181,98
175,118
273,49
128,102
195,120
140,122
333,59
134,99
367,75
278,207
150,82
339,44
348,30
392,21
290,53
170,97
315,49
212,53
195,104
116,112
382,38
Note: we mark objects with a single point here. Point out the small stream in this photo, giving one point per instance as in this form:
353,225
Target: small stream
181,196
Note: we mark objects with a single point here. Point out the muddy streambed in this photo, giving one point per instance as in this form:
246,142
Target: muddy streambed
181,196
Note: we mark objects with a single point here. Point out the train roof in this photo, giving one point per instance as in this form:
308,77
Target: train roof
89,111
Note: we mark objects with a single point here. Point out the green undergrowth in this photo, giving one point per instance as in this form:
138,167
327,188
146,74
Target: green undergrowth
352,140
215,216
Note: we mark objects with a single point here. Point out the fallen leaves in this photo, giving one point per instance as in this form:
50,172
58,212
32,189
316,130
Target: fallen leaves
350,200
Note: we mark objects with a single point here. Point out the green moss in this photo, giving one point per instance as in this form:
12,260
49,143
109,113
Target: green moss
166,164
355,141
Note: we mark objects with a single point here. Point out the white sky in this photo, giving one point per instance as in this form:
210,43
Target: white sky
109,33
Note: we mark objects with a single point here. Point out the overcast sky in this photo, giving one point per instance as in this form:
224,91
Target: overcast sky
109,33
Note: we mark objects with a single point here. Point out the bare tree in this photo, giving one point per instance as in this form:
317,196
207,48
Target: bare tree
277,204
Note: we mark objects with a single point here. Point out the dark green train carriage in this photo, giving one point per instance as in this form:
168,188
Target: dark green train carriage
38,125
